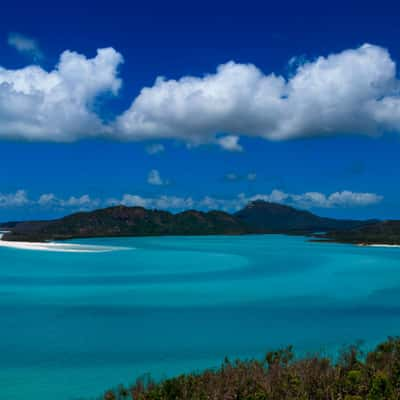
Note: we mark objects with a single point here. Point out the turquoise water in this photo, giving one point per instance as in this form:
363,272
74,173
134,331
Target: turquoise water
75,324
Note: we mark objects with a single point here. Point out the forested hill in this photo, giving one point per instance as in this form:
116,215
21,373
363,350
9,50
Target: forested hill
267,217
256,217
384,232
127,221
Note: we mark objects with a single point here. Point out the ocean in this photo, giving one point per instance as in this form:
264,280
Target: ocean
80,320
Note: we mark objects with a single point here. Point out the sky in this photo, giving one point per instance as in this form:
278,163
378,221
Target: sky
179,105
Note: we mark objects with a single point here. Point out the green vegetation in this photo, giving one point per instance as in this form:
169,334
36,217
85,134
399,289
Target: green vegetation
266,217
280,376
385,232
257,217
127,221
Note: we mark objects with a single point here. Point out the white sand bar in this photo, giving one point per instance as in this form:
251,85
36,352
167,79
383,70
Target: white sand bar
383,245
59,247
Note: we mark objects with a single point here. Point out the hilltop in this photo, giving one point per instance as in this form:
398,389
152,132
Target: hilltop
268,217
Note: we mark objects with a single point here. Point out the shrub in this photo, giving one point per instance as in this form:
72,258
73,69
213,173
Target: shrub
280,376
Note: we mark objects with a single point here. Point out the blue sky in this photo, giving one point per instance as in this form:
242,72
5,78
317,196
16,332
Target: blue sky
281,102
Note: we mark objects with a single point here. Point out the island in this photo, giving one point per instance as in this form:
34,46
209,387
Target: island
257,217
377,233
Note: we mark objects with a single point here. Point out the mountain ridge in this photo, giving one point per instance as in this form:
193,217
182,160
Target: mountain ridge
256,217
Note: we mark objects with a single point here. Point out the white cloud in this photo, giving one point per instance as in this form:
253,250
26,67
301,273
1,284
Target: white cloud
348,198
25,45
304,200
355,91
17,199
214,203
344,198
57,105
47,199
155,148
154,178
352,92
276,196
161,202
230,143
85,202
130,200
178,203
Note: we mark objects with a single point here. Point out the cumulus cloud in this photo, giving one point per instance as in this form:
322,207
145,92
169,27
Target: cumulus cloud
83,202
25,45
86,202
57,105
155,148
161,202
304,200
47,199
10,200
344,198
230,143
178,203
354,91
154,178
351,92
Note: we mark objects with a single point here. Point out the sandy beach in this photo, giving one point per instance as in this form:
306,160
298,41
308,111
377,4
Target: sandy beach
57,247
378,245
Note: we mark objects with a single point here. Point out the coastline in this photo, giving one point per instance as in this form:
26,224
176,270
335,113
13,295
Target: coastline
258,217
56,247
50,245
378,245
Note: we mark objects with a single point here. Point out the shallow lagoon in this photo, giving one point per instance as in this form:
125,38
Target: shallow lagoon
74,324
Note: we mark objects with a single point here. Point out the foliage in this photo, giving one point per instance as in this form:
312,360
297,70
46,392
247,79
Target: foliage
385,232
280,376
257,217
127,221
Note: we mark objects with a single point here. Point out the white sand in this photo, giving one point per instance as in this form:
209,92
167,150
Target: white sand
378,245
60,247
383,245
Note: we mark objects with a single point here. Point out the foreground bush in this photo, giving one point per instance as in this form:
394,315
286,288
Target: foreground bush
280,376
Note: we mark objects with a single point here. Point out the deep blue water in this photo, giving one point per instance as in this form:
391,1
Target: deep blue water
75,324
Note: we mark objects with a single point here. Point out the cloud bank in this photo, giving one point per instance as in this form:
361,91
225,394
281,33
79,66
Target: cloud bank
176,203
344,198
355,91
